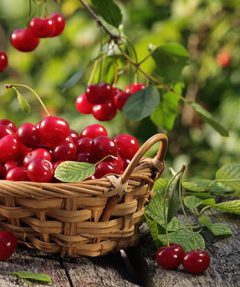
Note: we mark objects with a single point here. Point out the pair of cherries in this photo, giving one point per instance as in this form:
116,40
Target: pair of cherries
172,256
32,152
27,39
103,100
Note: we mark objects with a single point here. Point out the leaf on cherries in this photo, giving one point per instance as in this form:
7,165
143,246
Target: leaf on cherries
71,171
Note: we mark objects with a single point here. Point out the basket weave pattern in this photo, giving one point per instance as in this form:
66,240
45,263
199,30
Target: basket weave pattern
89,218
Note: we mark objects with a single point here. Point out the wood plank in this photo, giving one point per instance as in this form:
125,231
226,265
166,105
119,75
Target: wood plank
223,272
103,271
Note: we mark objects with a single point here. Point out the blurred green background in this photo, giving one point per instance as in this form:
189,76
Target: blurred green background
208,28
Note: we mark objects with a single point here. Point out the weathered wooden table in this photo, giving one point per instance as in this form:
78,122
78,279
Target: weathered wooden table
136,267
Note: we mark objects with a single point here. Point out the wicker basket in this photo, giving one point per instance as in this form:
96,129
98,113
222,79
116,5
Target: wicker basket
90,218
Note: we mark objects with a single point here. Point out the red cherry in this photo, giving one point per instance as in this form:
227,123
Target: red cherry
196,261
102,169
93,131
8,244
9,148
23,151
4,131
74,136
24,40
40,170
17,174
104,112
53,130
104,146
64,151
170,257
39,153
120,99
56,164
83,106
117,163
99,93
127,145
125,163
42,27
3,61
8,124
134,88
85,145
224,59
58,23
85,157
8,166
29,135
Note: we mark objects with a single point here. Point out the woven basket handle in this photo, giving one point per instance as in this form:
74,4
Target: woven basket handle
157,160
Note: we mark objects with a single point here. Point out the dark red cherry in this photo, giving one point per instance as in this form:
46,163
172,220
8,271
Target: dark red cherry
58,23
84,145
74,136
134,88
23,151
39,153
8,124
53,130
17,174
7,166
117,163
127,145
29,135
102,169
65,151
104,146
4,131
104,112
42,27
170,257
99,93
86,157
93,131
3,61
24,40
120,99
9,148
40,170
125,163
56,164
8,244
196,261
83,106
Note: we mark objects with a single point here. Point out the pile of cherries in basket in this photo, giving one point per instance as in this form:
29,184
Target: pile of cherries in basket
32,152
103,100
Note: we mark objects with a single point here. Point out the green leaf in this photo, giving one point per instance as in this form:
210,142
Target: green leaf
160,185
193,201
170,59
232,206
229,174
198,185
184,238
155,209
166,112
173,202
175,224
217,229
209,119
153,227
73,80
109,10
71,171
23,103
141,104
39,277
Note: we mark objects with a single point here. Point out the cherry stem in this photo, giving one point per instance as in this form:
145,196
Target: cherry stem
183,208
10,86
165,201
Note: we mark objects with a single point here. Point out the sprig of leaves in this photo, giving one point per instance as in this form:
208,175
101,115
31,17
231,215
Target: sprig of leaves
32,277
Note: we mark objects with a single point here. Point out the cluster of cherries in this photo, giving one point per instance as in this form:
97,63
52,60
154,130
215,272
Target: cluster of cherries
32,152
172,256
103,100
27,39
